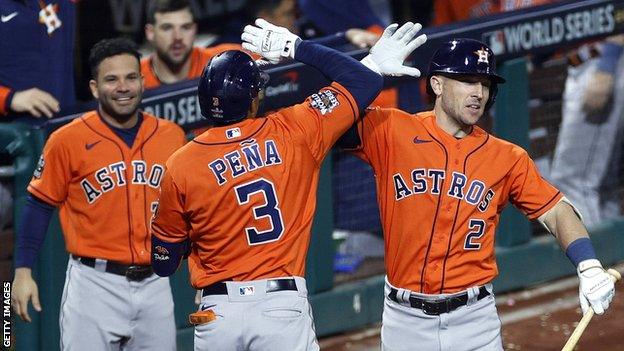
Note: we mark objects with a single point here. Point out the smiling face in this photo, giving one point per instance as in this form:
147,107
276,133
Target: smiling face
172,36
461,99
118,87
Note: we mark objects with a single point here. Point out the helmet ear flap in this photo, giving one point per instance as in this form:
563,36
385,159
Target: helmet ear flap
492,97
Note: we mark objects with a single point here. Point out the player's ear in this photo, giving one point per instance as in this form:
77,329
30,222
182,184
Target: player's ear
149,32
253,108
436,84
93,87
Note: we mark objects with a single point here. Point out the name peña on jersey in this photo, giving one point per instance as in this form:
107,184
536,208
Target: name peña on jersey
250,157
114,175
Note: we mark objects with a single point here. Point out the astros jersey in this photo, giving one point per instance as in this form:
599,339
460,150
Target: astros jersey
448,11
199,58
37,39
105,191
440,198
246,193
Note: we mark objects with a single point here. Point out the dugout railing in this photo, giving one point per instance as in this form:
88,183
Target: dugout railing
512,36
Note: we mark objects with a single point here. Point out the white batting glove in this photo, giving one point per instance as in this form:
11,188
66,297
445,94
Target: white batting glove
387,55
596,288
272,42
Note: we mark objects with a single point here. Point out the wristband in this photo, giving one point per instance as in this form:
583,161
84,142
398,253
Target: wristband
580,250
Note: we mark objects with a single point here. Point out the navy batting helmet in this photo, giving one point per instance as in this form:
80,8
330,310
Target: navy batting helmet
466,57
228,85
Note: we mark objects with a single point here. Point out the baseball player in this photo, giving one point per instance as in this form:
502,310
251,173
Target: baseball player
244,192
102,171
171,29
36,53
586,163
442,182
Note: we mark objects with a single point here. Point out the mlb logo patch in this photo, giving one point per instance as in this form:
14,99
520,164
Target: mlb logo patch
246,290
233,133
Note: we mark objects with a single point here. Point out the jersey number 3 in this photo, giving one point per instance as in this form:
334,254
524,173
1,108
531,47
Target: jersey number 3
477,227
270,210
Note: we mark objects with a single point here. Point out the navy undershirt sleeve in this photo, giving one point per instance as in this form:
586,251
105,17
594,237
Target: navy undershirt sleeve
36,216
363,84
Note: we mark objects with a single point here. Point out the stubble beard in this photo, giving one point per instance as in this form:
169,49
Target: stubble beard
170,63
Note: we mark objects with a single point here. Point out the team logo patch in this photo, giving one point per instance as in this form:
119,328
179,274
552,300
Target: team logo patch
233,133
48,16
324,101
160,253
39,169
484,56
246,290
161,250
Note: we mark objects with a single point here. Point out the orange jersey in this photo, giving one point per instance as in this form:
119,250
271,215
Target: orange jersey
448,11
245,194
105,191
199,58
440,198
4,96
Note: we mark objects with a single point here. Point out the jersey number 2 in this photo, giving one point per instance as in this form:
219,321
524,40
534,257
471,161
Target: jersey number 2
270,209
477,227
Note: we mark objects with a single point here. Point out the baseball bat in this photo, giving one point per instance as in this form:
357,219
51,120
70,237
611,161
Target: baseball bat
580,328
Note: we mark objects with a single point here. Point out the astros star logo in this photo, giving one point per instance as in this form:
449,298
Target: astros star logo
48,16
484,56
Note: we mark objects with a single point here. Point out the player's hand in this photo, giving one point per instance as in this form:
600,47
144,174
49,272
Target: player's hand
24,290
36,102
596,288
272,42
361,37
598,94
387,55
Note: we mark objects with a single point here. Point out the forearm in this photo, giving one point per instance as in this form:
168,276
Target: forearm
361,82
35,219
567,227
166,256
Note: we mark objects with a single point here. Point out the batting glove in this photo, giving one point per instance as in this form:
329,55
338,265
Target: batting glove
387,55
596,288
272,42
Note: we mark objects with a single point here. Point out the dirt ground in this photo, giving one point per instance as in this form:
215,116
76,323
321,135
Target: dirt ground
537,319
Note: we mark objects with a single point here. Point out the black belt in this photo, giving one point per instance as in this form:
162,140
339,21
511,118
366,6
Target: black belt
437,307
273,285
132,272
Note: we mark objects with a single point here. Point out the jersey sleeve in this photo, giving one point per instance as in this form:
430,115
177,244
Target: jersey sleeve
322,118
170,221
52,175
529,191
5,94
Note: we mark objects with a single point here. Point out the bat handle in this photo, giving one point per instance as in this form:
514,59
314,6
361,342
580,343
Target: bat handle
615,274
580,328
576,335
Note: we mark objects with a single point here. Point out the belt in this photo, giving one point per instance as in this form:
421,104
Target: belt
273,285
132,272
439,306
576,58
